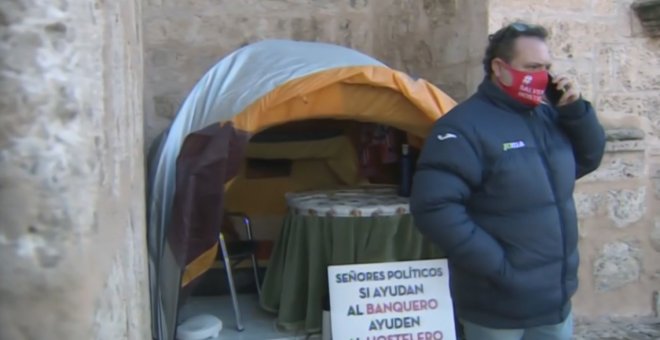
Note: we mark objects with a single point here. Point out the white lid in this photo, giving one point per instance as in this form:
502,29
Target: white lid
200,327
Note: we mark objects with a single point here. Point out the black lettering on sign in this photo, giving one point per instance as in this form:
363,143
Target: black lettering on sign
354,310
364,292
395,323
399,290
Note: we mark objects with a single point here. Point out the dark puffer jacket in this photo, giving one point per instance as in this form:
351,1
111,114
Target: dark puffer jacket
494,189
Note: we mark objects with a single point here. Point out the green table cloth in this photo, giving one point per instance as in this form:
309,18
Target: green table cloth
296,279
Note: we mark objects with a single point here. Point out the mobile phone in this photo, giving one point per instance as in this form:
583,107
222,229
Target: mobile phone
552,92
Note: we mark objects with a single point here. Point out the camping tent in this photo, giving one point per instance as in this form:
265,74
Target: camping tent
256,87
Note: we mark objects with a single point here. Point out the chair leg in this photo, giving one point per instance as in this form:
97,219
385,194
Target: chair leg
232,288
255,265
255,270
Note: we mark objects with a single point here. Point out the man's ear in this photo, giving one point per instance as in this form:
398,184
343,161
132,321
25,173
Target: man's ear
501,72
496,67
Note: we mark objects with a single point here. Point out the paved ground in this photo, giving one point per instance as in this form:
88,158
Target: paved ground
638,329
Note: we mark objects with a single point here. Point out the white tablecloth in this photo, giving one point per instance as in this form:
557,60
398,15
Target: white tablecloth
357,202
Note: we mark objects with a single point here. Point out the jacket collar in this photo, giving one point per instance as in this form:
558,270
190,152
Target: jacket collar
498,97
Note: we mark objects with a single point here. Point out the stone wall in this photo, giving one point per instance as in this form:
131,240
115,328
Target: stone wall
602,44
183,39
72,231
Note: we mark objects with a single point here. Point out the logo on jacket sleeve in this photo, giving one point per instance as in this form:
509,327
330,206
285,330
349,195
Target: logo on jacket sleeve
446,136
513,145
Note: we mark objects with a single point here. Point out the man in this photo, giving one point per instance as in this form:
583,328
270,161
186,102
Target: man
494,188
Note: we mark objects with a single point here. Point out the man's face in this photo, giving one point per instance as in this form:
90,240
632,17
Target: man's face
530,54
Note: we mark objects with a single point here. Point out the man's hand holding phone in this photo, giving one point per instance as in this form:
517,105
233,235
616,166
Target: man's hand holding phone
562,90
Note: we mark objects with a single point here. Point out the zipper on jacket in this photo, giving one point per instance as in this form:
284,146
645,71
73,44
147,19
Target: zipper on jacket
542,152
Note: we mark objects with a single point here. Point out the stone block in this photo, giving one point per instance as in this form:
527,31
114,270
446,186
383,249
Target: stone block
617,168
578,39
617,265
642,73
653,151
358,4
626,207
628,105
167,105
588,205
627,120
570,40
628,66
654,170
625,146
500,18
452,81
456,52
254,6
170,27
624,134
514,5
473,18
655,235
544,6
609,58
608,8
440,8
406,35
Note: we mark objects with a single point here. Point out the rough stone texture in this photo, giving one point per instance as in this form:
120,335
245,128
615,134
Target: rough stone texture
626,206
626,146
616,167
588,204
624,134
72,238
602,44
617,329
617,266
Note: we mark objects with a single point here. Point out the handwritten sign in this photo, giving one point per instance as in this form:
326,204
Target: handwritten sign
391,301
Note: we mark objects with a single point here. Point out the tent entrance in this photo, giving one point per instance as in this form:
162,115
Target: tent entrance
314,154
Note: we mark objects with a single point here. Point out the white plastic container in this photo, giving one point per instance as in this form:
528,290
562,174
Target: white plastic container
200,327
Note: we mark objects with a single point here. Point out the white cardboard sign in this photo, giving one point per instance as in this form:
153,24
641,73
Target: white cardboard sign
407,300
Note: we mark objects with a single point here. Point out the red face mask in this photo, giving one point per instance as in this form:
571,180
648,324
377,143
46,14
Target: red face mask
526,87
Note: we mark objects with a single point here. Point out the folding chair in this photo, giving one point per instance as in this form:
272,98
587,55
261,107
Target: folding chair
235,252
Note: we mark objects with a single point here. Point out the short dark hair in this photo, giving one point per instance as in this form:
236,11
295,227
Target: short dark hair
501,43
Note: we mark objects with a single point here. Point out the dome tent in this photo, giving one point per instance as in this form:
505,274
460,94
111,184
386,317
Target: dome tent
259,86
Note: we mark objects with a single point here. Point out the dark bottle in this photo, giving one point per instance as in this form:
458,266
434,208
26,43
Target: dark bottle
405,181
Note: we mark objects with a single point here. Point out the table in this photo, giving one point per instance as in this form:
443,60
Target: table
322,228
